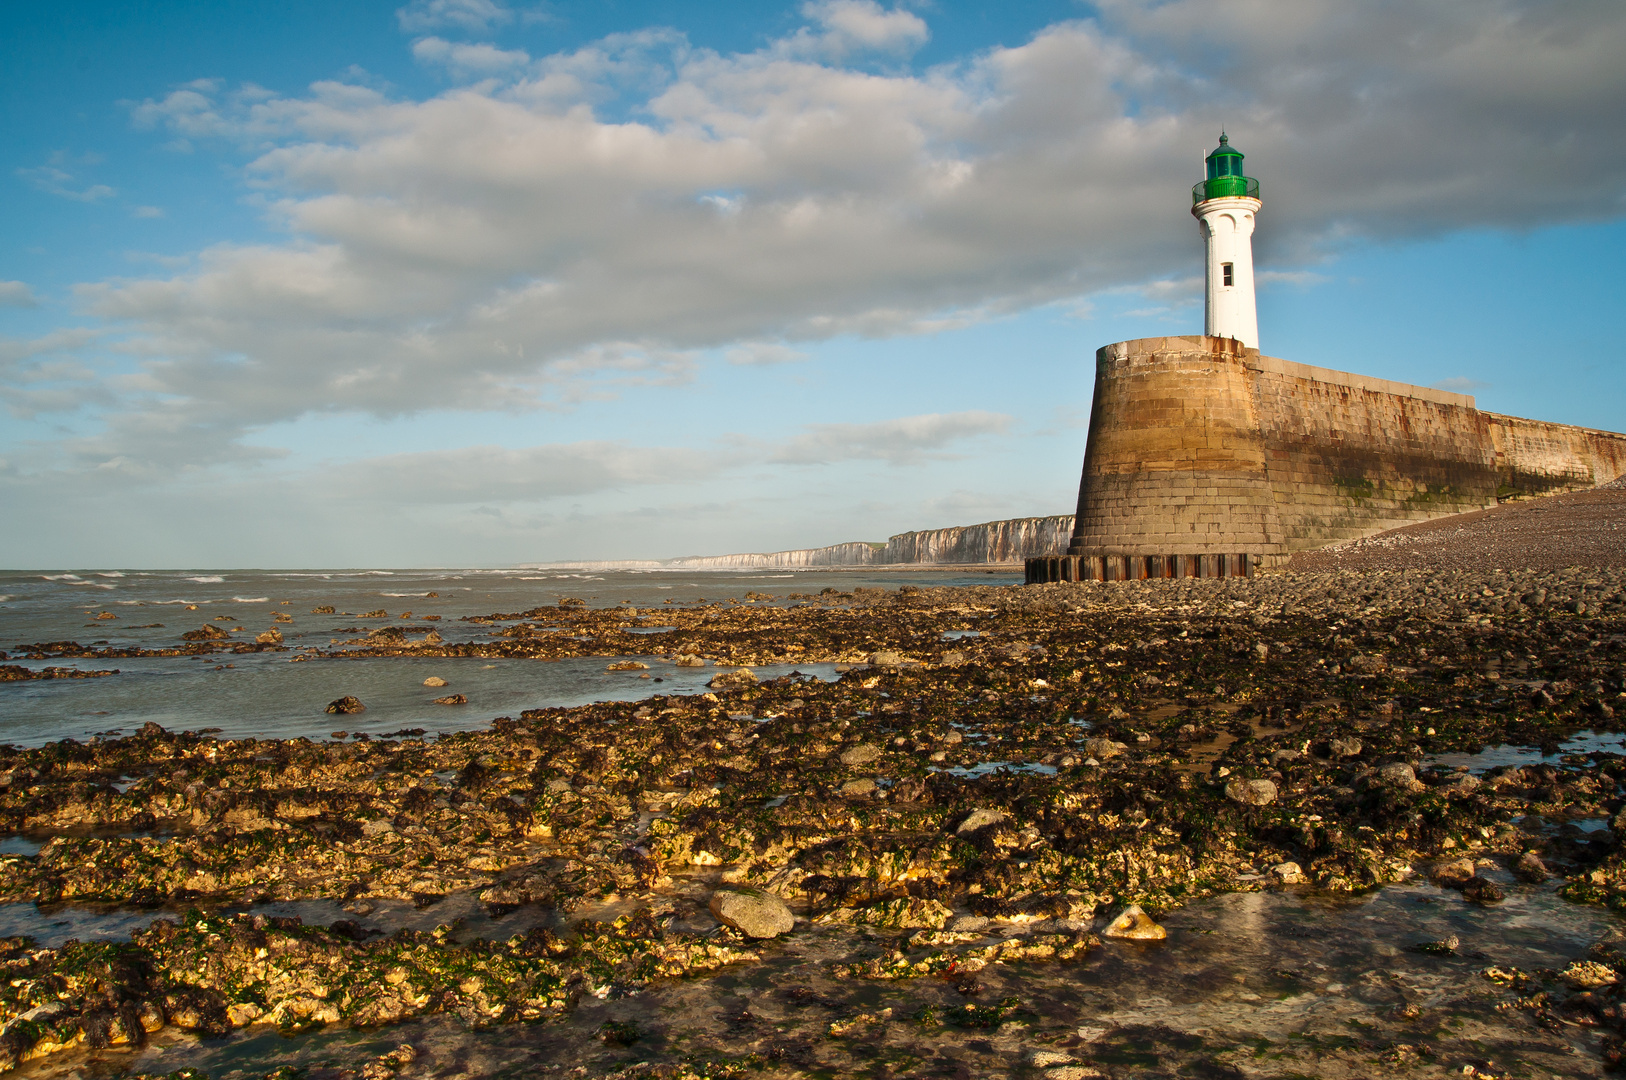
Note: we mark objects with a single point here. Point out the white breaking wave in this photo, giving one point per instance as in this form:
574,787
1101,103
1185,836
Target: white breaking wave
3,599
108,573
403,594
252,599
61,577
208,579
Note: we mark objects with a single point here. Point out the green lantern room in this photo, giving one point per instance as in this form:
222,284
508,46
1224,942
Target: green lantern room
1225,178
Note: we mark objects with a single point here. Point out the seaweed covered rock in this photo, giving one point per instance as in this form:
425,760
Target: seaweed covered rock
755,913
733,680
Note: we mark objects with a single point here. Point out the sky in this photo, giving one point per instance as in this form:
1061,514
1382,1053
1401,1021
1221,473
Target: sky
487,282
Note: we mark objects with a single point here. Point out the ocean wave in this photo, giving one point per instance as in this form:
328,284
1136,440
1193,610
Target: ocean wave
3,599
108,573
403,594
207,579
61,577
252,599
180,601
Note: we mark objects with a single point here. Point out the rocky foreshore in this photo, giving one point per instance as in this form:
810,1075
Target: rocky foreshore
995,779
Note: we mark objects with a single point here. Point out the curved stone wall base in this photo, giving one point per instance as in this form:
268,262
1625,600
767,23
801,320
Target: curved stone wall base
1120,567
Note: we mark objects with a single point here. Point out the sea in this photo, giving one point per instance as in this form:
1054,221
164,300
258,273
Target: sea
265,695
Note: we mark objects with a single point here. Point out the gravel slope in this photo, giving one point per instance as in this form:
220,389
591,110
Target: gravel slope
1583,528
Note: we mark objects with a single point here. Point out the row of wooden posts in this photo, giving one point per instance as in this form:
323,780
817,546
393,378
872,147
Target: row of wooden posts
1049,568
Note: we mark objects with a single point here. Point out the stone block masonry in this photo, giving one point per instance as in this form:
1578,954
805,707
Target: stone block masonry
1200,446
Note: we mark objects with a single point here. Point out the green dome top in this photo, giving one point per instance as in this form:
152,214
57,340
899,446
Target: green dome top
1225,177
1226,160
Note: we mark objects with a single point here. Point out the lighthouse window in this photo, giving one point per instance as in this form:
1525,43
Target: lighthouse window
1225,274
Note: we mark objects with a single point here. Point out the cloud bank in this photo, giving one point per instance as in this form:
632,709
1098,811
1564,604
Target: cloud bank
566,224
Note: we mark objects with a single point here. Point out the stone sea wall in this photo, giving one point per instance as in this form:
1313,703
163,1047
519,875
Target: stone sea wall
1536,457
1200,445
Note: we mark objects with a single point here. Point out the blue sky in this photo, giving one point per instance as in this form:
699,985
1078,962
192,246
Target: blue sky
478,282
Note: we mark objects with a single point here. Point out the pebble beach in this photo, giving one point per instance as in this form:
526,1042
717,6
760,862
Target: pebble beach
1361,815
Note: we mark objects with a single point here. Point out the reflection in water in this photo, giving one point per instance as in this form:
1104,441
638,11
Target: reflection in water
1266,984
265,696
1586,742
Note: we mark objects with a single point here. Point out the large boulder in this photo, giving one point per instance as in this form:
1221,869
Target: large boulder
1250,792
1530,868
979,820
743,679
1133,924
1399,775
753,912
1102,749
1344,747
861,754
1453,873
1288,873
205,633
345,706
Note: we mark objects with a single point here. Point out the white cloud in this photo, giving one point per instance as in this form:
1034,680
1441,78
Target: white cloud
13,351
468,60
43,375
469,16
17,294
58,181
763,353
905,440
851,26
481,474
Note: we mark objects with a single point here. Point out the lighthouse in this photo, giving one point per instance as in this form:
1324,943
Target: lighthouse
1224,205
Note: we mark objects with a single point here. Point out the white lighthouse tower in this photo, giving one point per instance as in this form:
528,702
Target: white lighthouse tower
1224,205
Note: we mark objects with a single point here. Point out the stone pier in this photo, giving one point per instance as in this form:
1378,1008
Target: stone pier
1207,459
